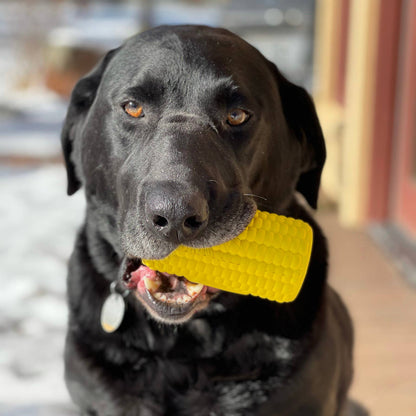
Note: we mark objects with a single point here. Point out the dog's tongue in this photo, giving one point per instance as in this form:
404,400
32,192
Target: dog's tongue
163,286
143,272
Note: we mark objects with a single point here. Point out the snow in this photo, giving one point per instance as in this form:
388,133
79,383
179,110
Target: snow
38,223
38,226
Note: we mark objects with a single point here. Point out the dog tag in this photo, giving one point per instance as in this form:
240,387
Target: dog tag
112,312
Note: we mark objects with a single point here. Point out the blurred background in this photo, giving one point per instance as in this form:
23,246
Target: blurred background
358,60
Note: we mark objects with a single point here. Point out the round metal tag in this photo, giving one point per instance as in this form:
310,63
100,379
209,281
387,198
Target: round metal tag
112,312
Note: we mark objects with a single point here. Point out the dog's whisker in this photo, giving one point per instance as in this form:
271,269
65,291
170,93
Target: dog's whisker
256,196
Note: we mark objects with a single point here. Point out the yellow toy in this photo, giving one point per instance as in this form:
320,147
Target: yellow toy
269,259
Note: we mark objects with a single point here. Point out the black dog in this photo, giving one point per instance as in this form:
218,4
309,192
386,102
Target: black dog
178,137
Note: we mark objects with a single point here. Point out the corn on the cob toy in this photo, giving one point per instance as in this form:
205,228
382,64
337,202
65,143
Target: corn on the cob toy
269,259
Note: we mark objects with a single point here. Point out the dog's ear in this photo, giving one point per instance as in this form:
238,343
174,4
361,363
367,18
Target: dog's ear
82,98
299,111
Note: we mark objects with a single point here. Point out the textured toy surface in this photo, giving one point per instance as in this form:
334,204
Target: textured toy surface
269,259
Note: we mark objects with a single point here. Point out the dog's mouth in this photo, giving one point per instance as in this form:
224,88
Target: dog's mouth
167,297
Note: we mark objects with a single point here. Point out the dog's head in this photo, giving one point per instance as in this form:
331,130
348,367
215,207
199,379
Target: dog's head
177,137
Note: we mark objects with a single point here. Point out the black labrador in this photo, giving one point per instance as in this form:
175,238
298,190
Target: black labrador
177,137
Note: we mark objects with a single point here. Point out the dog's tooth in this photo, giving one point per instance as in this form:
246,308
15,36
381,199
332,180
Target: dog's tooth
194,288
160,296
185,299
152,285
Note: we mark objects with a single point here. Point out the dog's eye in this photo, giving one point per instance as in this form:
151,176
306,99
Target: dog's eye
133,109
237,116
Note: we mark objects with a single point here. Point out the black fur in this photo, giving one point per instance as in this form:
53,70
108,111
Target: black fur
240,355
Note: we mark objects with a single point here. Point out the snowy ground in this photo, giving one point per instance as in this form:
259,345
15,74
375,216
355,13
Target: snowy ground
37,227
38,222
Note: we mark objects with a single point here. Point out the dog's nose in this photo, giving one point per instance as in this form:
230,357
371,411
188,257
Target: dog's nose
174,214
